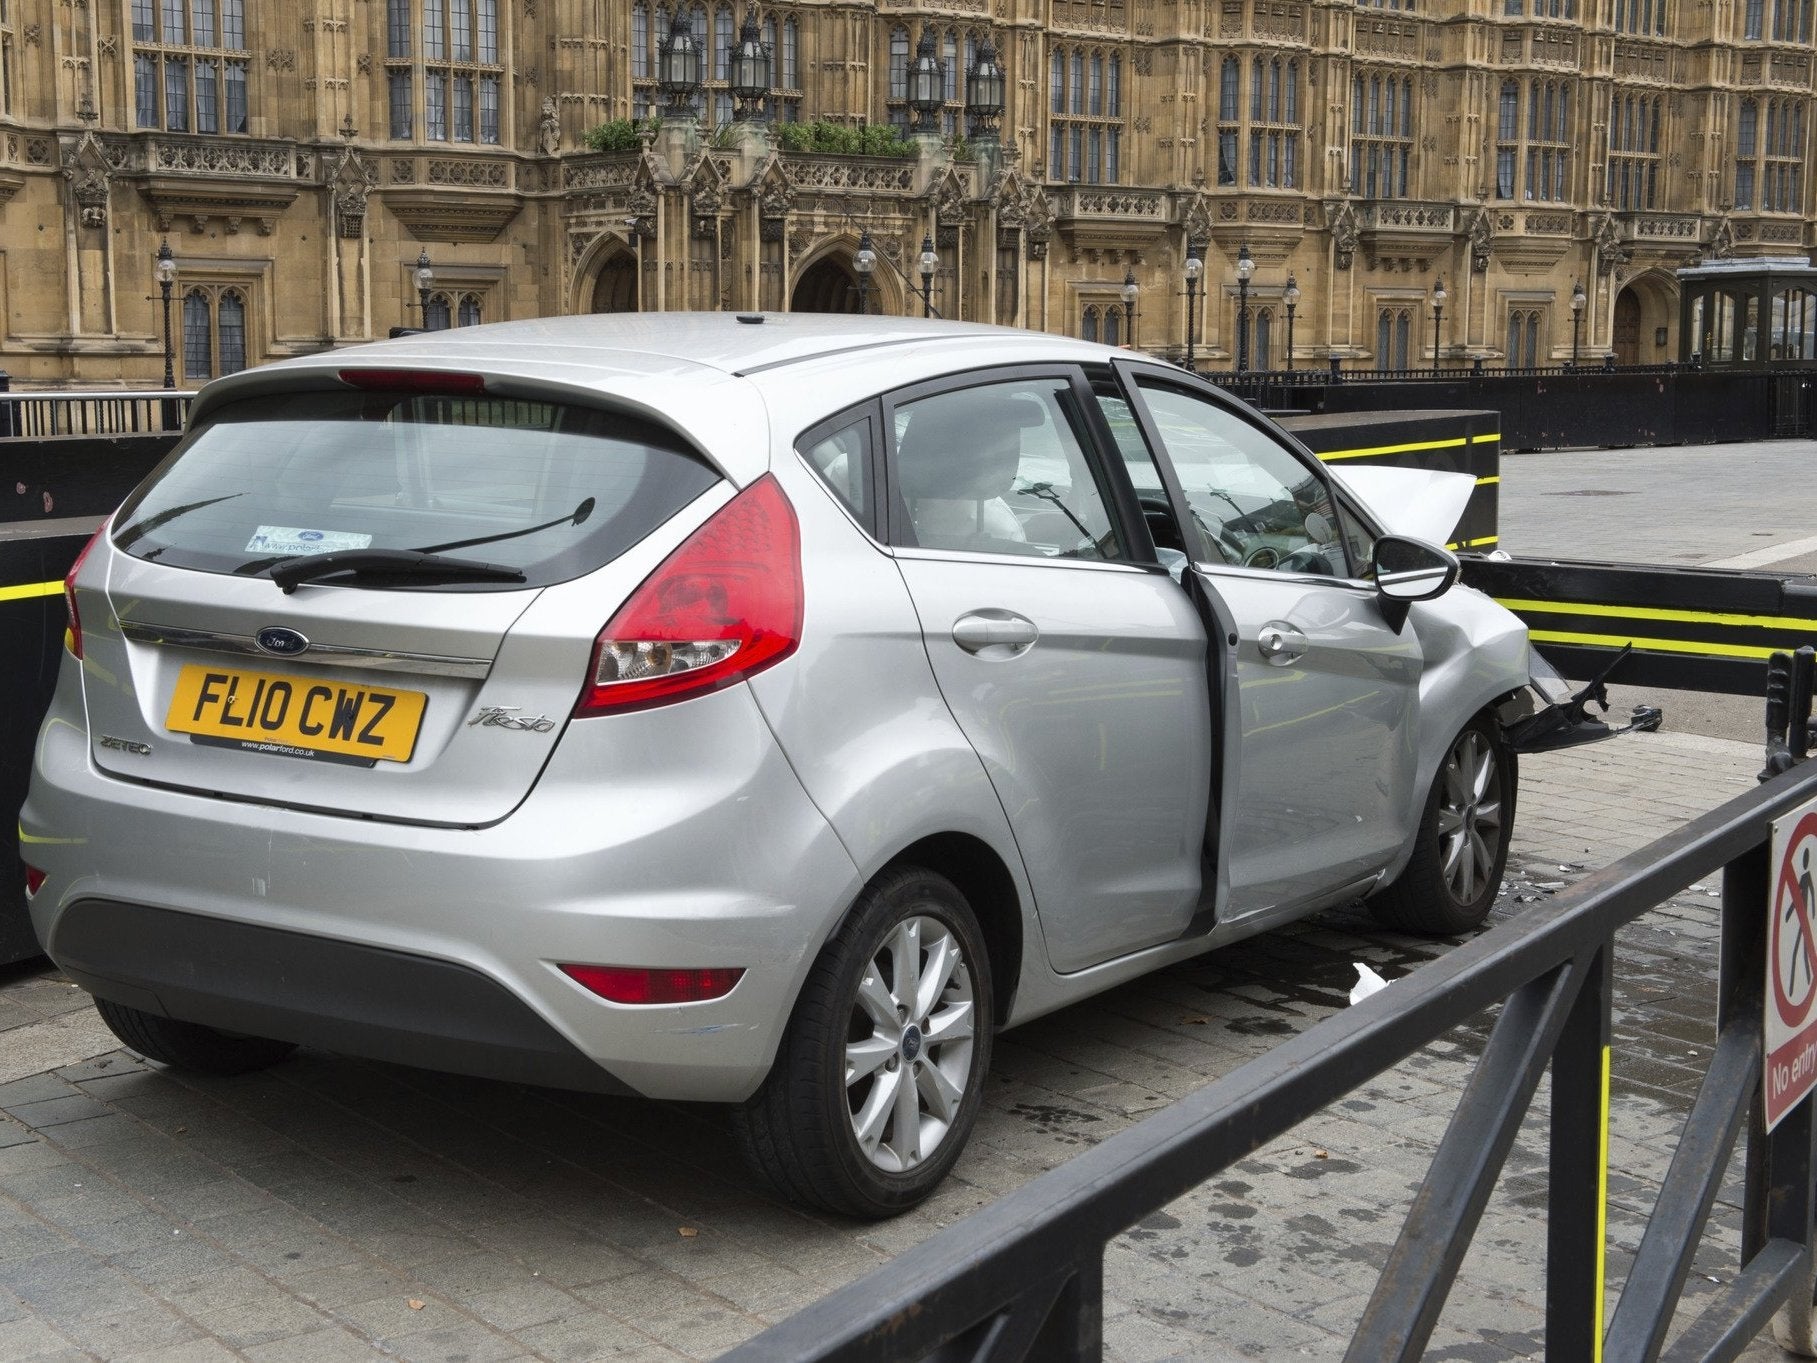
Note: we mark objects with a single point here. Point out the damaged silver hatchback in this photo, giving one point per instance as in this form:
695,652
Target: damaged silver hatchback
761,710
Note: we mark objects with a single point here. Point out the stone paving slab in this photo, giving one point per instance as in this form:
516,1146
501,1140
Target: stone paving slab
330,1209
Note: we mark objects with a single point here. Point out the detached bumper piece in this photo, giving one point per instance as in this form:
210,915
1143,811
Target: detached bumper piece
1566,721
293,986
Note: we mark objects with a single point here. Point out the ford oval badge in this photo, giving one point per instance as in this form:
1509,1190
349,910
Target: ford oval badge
286,643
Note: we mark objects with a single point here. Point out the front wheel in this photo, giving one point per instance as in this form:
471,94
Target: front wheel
879,1077
1461,848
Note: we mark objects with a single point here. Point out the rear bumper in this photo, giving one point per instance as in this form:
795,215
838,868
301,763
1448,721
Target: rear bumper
386,1005
673,837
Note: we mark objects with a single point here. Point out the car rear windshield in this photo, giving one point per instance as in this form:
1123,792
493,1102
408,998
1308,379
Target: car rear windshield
552,489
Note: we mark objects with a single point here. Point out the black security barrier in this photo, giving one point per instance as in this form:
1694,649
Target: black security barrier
1690,629
1563,408
1022,1279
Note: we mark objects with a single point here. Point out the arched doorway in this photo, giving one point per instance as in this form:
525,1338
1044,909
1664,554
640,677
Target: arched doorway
827,285
616,288
1626,338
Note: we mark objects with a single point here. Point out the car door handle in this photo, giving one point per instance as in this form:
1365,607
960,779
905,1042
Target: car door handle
1280,644
994,633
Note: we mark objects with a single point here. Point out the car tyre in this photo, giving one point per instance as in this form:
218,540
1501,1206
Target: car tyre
1461,849
879,1077
189,1045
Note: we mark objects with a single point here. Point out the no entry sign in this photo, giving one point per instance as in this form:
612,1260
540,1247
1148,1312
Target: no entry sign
1791,1003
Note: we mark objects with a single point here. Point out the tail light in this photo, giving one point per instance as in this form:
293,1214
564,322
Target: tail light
630,984
34,881
725,605
72,631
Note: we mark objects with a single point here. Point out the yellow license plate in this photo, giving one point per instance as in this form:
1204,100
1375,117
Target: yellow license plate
295,716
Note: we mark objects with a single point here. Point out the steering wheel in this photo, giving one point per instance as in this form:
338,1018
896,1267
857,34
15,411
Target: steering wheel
1308,559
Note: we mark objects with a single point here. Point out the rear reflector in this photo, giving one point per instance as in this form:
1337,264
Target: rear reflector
629,984
417,380
34,881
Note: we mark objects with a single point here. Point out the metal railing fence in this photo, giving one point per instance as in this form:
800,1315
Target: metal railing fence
44,415
1022,1279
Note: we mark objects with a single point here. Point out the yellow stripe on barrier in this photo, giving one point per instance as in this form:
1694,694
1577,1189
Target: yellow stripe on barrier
1692,646
1451,444
1659,613
1485,439
1474,544
27,591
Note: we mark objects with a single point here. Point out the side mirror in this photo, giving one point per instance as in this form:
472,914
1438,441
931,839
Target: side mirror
1409,570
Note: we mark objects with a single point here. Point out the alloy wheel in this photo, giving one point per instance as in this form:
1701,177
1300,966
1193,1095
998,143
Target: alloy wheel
909,1041
1469,816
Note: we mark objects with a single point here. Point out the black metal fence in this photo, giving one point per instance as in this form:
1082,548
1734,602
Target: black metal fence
1022,1279
1562,408
36,416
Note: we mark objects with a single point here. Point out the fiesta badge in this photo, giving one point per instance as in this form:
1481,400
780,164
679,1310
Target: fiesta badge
286,643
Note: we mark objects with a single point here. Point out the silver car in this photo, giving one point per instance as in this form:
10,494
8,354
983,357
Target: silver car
751,709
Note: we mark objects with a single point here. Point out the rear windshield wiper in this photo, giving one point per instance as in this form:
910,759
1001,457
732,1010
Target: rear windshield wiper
293,572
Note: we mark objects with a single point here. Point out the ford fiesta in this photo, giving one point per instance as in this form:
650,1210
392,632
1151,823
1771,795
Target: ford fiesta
761,710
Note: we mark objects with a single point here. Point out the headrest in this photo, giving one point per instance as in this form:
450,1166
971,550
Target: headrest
965,445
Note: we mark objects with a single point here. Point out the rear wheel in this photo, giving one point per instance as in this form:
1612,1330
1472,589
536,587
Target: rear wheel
878,1079
1461,849
189,1045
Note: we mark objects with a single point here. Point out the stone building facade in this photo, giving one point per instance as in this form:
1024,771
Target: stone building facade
300,157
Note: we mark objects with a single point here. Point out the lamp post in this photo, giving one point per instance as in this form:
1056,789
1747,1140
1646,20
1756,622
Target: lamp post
926,85
1130,289
929,263
1291,297
984,94
865,261
678,67
166,271
1438,312
749,71
1577,316
1194,268
425,279
1245,268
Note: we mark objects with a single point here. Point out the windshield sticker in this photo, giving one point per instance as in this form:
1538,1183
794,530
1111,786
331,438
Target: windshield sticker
290,540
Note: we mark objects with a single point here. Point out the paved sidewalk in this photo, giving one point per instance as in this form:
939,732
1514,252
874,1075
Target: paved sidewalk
331,1209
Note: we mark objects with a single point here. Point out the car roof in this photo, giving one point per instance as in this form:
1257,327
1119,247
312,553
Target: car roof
714,376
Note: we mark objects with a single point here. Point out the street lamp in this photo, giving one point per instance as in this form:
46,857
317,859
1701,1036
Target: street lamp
926,85
1130,290
1291,297
678,67
1577,316
865,261
166,272
929,263
984,93
167,275
425,279
1438,311
749,71
1194,268
1245,268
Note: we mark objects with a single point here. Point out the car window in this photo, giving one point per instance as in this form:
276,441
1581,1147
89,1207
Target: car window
842,458
552,489
1256,503
1000,469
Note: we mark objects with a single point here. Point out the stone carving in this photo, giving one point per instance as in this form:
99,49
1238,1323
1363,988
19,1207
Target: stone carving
949,197
811,170
363,63
1611,252
1722,240
350,180
1198,221
484,174
549,129
86,168
1340,221
211,156
109,46
281,59
34,33
1482,241
37,151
